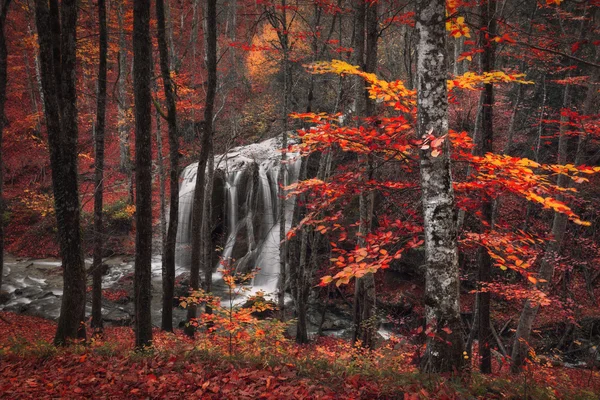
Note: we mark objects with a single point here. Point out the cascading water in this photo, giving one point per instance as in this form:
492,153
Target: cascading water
249,216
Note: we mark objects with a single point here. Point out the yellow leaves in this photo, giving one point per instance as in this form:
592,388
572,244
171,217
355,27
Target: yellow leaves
551,2
557,206
394,93
525,162
470,80
457,27
517,175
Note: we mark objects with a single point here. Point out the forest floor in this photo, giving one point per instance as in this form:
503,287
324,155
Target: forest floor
214,367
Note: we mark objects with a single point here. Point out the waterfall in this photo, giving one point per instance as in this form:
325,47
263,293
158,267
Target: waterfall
247,212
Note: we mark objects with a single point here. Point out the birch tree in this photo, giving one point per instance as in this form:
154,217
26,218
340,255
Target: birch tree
444,350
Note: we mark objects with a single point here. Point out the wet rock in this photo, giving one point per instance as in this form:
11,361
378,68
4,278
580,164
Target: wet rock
335,320
258,301
4,297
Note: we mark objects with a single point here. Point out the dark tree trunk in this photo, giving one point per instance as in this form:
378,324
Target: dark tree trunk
287,88
3,81
57,62
367,33
99,171
142,72
123,103
444,352
168,270
209,115
487,136
205,131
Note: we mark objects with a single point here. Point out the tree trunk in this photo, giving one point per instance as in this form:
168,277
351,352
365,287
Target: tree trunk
487,139
99,171
142,73
444,352
209,116
207,244
3,81
206,147
283,246
57,62
123,104
366,295
168,267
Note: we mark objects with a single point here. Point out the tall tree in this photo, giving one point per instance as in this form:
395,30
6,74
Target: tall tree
168,270
444,351
3,81
206,131
367,33
142,73
57,48
122,101
99,170
280,23
488,10
209,116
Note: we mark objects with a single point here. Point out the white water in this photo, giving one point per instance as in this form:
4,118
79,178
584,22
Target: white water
250,219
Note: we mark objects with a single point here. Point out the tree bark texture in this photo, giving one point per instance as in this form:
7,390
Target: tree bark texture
142,73
57,61
168,269
3,82
99,170
209,115
444,352
488,11
206,147
123,106
280,22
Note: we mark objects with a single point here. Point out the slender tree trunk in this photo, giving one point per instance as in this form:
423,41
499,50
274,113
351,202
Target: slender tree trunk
209,117
168,268
207,227
3,81
162,189
123,104
57,67
487,139
206,132
142,73
477,141
444,352
537,146
99,171
283,246
367,33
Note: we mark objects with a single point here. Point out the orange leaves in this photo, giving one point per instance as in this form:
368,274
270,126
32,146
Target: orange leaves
394,93
458,28
468,55
372,257
509,250
504,38
517,175
469,80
